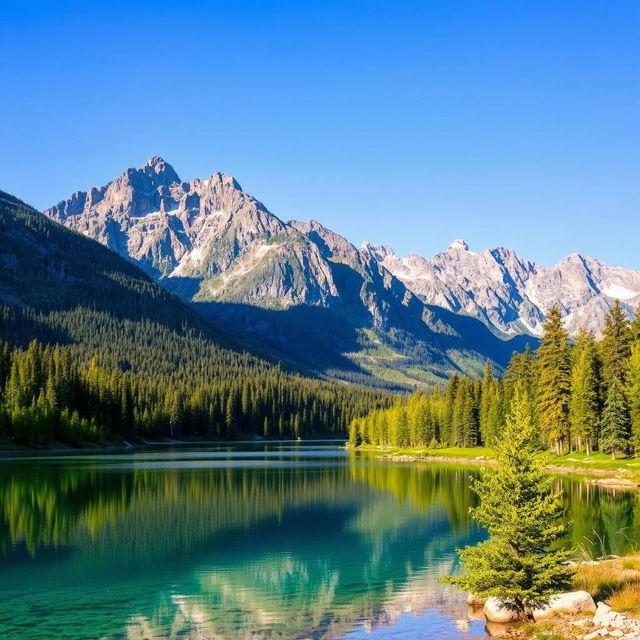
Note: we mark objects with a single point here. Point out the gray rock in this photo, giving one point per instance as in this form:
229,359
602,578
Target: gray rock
511,294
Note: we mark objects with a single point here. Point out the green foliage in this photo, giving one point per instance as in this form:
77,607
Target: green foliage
585,386
519,563
47,395
615,345
634,328
488,423
554,382
614,436
633,394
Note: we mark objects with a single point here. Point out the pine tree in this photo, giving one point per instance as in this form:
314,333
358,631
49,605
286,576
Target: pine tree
633,395
584,410
402,427
447,428
457,424
615,345
635,325
554,384
496,415
470,421
519,563
486,398
614,433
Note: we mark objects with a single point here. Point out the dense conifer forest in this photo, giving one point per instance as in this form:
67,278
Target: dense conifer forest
92,348
582,394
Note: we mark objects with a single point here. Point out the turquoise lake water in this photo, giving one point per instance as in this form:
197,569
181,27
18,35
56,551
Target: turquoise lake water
277,540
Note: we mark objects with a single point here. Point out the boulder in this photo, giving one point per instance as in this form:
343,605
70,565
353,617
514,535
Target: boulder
495,610
574,602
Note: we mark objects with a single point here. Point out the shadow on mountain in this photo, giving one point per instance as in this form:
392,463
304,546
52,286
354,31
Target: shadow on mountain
330,342
314,338
477,336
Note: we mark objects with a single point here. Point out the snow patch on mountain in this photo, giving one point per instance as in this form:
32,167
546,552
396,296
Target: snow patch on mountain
459,243
619,292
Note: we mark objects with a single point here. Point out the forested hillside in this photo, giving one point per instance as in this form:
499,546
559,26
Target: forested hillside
92,349
583,396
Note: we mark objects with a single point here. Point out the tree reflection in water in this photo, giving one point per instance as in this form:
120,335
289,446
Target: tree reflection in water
263,547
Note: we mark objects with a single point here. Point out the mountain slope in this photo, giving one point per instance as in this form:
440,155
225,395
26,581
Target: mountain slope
131,357
510,294
294,288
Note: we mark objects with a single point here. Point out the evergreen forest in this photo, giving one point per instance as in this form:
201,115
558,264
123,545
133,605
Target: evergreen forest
582,394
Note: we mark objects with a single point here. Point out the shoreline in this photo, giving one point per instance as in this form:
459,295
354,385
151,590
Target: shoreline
612,478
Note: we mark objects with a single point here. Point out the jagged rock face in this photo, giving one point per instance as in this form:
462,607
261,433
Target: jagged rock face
509,294
209,231
208,240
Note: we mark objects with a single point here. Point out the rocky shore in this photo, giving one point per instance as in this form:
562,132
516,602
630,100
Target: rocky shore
571,616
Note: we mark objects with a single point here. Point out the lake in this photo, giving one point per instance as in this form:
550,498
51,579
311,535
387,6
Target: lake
250,540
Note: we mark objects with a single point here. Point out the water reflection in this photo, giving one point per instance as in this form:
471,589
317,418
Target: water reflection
284,543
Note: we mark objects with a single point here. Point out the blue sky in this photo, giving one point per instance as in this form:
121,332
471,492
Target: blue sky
402,122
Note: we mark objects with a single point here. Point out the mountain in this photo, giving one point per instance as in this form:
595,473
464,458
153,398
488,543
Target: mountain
511,294
295,289
129,357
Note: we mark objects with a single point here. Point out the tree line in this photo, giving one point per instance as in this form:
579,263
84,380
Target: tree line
47,394
582,395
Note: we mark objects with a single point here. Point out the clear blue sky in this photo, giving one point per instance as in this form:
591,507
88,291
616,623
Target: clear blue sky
402,122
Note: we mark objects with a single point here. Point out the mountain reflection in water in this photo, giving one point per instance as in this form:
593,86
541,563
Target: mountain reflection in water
248,541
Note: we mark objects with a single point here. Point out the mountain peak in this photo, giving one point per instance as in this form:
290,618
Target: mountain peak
154,161
459,243
379,252
221,180
157,166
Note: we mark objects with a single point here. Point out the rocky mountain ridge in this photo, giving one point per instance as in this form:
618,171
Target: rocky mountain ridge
509,293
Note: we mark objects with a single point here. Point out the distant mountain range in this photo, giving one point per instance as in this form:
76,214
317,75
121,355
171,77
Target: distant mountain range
511,294
295,289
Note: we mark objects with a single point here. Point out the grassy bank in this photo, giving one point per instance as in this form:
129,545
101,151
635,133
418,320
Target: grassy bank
596,464
616,581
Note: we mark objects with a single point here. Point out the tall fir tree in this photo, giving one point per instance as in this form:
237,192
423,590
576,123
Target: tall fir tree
615,345
447,435
584,409
554,383
486,398
470,421
462,392
633,395
519,564
614,432
635,325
